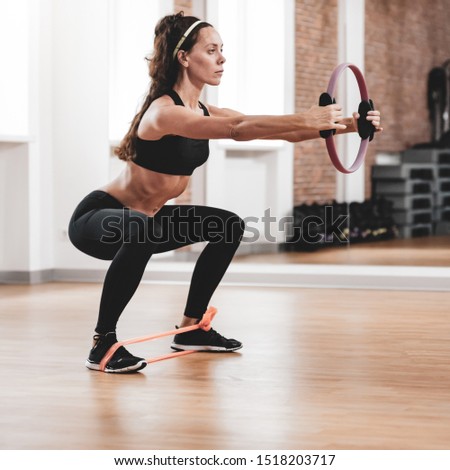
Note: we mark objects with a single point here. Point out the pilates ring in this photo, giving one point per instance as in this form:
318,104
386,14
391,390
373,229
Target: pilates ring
366,129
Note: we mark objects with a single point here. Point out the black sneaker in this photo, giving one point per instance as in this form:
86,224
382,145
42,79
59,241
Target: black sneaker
121,362
201,340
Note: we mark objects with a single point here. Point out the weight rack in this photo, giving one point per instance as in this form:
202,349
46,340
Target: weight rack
419,189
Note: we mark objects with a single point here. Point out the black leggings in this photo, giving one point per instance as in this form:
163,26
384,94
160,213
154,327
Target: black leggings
103,228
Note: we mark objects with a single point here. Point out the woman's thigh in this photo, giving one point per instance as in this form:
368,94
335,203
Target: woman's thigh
183,225
102,232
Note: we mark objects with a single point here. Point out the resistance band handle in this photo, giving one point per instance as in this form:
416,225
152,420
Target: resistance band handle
325,100
366,129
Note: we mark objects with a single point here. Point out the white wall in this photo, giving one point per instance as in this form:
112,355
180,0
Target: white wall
15,23
26,204
55,120
41,191
100,77
80,114
351,19
14,210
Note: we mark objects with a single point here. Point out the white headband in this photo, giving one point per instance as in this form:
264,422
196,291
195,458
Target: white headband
185,35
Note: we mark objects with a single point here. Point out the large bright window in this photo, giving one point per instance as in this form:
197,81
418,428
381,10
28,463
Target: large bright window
253,32
14,76
132,26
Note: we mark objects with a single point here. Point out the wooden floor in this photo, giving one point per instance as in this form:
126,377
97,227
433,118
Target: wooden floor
320,369
420,251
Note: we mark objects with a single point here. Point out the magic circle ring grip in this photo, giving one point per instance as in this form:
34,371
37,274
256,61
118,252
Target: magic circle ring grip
366,129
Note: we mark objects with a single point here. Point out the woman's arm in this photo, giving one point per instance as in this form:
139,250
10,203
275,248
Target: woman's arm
351,124
164,118
301,135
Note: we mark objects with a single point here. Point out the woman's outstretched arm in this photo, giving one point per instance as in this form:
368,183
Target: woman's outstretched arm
165,118
301,134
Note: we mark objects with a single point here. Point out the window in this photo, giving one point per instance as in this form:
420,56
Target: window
132,26
253,33
14,79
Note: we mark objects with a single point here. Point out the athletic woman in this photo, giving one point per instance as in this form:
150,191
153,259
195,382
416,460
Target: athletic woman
128,220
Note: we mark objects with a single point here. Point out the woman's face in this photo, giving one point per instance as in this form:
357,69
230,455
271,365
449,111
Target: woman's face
205,60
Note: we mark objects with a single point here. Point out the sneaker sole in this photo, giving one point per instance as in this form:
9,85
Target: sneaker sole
182,347
139,366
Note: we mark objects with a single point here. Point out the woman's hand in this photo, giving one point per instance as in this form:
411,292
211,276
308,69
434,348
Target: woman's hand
373,116
322,118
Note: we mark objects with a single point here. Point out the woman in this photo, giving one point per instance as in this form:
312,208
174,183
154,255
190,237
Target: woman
128,220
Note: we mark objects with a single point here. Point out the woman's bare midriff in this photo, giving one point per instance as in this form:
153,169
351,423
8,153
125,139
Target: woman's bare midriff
144,190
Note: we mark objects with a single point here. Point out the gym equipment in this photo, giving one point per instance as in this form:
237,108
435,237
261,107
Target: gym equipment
366,129
204,324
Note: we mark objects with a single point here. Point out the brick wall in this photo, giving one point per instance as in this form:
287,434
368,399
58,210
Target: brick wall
316,57
403,41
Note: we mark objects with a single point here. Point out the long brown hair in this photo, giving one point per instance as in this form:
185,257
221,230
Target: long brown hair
163,69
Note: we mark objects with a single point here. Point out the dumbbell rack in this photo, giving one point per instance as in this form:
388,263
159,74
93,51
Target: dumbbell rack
419,189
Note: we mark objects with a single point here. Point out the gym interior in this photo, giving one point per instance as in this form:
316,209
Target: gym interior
340,290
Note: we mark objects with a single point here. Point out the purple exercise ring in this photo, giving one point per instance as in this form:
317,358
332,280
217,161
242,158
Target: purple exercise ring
364,97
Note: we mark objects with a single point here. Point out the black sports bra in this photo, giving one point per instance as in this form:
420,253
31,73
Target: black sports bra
172,154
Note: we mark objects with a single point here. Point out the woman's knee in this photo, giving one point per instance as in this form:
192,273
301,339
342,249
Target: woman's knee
237,227
225,227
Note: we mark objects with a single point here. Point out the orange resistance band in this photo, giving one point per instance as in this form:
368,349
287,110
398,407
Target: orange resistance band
204,324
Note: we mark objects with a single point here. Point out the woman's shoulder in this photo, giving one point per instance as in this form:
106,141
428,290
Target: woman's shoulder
152,125
158,106
162,101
